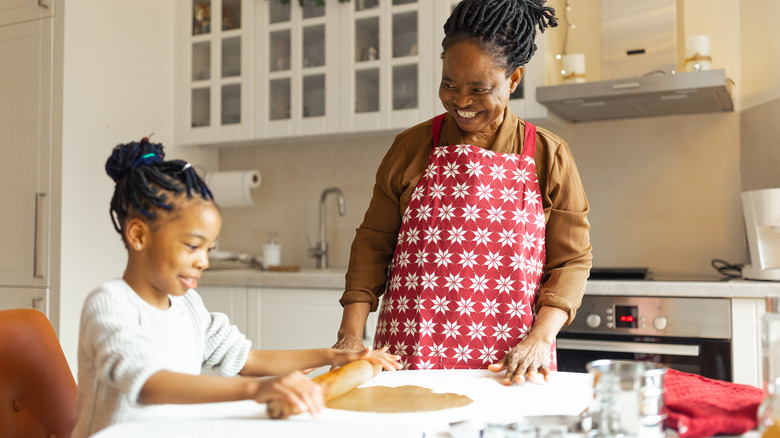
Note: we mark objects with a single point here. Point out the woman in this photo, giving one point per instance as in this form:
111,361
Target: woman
480,245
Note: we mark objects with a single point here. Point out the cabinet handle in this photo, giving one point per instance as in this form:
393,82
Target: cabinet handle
39,228
44,3
36,302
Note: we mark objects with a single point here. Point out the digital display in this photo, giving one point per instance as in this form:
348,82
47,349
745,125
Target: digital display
626,316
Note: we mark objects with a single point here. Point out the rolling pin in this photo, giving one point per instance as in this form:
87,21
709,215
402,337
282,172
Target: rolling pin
334,384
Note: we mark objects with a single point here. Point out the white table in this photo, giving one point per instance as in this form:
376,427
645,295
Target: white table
564,394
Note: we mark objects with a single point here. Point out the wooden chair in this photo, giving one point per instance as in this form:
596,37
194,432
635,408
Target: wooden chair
37,389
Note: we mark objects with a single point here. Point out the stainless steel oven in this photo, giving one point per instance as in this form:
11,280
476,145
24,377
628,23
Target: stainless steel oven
687,334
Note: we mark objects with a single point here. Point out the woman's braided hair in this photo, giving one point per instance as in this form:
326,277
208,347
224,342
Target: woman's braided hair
146,183
505,28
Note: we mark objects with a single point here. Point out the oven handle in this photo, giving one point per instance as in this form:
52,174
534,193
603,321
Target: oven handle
628,347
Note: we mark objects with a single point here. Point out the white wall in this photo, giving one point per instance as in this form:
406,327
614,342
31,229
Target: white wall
118,87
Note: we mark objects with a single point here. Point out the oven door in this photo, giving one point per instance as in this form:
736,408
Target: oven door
706,357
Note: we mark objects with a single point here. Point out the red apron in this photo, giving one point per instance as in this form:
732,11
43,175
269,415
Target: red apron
468,261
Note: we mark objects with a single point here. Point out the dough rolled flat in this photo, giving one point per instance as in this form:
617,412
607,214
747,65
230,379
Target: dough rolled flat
408,398
333,383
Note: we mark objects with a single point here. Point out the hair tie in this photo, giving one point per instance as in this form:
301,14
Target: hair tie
147,159
185,167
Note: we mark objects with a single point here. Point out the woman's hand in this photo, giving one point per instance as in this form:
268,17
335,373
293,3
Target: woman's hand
388,361
293,388
528,360
349,343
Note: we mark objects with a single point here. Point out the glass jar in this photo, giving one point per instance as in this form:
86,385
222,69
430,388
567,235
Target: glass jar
769,410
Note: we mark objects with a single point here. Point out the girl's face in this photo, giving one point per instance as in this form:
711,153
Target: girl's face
176,250
474,88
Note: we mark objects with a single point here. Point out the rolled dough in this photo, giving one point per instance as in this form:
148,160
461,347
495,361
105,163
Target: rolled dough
408,398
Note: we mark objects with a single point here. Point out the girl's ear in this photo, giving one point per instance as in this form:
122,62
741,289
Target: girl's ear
514,78
136,234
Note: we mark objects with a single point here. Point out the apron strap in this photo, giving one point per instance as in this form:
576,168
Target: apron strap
529,144
437,122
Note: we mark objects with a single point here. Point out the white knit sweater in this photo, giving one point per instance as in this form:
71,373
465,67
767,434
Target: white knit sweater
123,340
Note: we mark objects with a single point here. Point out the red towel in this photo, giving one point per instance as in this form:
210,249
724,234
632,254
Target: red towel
702,407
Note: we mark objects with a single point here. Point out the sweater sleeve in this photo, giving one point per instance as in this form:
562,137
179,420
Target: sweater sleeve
122,352
225,348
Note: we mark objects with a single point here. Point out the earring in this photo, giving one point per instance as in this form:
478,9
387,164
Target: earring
138,245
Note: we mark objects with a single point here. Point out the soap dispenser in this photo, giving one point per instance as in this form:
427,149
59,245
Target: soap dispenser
272,252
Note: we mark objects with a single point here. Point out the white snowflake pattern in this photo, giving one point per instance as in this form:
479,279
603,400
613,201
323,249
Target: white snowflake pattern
465,305
517,262
497,171
460,190
517,309
394,327
539,220
484,191
442,257
400,348
410,327
490,307
451,329
507,237
421,257
447,212
417,194
488,354
538,266
411,280
468,259
437,349
462,149
402,260
531,197
418,304
429,280
394,282
529,240
474,168
425,365
493,260
528,287
508,194
471,212
437,190
452,282
479,283
440,304
402,304
432,235
503,331
495,214
450,170
481,235
523,331
427,327
462,353
476,330
457,235
521,174
504,285
440,151
520,216
424,213
412,236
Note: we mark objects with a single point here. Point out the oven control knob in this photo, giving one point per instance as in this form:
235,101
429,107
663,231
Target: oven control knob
660,323
593,320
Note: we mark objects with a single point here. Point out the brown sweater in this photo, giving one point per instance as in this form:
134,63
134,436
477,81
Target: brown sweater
563,197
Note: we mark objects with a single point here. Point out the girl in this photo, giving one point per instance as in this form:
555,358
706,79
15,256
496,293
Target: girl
145,337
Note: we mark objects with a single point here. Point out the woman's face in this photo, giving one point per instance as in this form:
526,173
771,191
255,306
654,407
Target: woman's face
474,88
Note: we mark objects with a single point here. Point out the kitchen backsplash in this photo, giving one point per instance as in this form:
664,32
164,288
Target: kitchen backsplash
664,192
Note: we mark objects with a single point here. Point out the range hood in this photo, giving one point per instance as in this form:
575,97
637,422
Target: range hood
657,95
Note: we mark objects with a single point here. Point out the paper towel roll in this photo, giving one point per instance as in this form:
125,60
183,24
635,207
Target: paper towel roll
231,188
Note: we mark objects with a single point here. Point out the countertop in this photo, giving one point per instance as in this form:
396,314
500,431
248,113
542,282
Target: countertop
334,279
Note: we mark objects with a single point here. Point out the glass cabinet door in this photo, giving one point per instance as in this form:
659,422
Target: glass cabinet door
298,65
388,58
218,87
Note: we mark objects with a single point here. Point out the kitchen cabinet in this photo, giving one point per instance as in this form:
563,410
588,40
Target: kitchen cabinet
339,68
18,11
25,102
215,81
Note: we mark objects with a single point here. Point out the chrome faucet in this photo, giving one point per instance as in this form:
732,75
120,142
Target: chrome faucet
320,250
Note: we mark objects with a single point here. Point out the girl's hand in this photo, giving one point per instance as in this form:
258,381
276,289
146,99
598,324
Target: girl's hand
528,360
293,388
388,361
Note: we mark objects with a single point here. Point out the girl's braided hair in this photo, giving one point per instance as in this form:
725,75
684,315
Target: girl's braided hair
146,183
505,28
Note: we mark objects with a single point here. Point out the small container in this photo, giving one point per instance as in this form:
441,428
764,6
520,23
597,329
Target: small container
769,410
272,252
